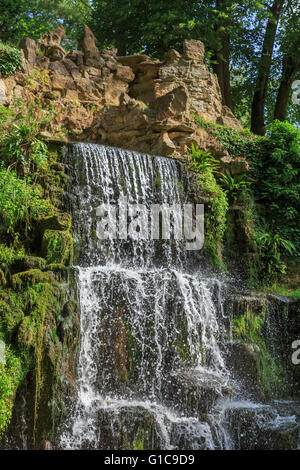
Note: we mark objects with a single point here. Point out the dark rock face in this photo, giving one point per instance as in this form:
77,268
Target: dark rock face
133,428
258,428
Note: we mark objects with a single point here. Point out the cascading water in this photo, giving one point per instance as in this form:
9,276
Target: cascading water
151,368
149,327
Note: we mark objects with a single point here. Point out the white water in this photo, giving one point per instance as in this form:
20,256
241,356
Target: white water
170,313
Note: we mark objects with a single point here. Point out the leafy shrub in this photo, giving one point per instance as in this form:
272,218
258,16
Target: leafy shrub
202,160
20,202
9,254
10,60
37,77
234,185
275,168
11,374
277,181
204,165
20,145
270,248
236,141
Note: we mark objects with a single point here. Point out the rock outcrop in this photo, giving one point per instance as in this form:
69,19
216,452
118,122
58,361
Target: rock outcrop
132,101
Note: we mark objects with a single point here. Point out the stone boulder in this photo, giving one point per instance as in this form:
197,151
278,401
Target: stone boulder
3,97
29,46
87,44
53,38
173,103
193,50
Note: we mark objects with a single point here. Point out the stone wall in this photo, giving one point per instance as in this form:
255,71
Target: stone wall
132,101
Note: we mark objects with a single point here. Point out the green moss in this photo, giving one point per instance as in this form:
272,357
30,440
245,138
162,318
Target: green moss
30,278
284,291
24,263
61,221
272,374
9,255
57,247
215,216
12,307
12,373
2,278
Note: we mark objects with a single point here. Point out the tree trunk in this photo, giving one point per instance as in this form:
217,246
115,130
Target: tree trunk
259,97
222,58
290,66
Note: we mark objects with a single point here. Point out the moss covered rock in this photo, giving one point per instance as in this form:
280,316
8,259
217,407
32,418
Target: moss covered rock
28,262
31,277
61,221
2,278
57,247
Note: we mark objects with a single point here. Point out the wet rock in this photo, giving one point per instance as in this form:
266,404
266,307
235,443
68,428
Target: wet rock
26,263
128,427
258,427
245,362
194,392
115,362
69,308
31,277
60,221
57,247
46,445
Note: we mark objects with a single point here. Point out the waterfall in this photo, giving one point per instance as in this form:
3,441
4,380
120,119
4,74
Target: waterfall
152,371
149,327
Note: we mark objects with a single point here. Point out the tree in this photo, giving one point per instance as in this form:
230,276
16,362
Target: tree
289,38
259,97
19,18
221,57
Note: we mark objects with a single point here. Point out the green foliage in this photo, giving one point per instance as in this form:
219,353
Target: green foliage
152,27
216,208
27,321
57,247
20,145
10,254
238,142
10,60
284,291
20,202
202,160
33,18
234,185
11,374
248,328
277,181
270,248
274,175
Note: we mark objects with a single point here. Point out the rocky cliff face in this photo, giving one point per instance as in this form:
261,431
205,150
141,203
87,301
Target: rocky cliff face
132,101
